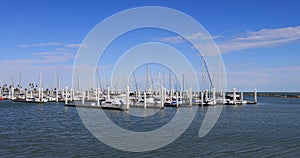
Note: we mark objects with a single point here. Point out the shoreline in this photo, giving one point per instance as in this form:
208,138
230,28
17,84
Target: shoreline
274,94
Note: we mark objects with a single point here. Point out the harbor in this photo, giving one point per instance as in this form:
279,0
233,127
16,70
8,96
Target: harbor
123,100
140,79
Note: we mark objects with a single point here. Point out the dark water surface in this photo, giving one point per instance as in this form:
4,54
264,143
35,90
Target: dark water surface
268,129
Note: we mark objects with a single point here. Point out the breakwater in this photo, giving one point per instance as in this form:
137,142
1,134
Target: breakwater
275,94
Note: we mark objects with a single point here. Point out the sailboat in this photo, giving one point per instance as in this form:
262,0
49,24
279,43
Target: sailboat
40,98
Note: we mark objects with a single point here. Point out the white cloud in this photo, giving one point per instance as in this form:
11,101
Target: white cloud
260,39
68,45
48,62
172,39
40,44
72,45
56,56
179,39
269,37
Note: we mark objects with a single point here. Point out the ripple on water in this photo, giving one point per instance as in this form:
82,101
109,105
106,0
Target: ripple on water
269,129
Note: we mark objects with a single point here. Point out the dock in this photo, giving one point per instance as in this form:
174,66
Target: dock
96,107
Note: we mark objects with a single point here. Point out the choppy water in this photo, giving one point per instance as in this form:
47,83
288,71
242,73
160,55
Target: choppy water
268,129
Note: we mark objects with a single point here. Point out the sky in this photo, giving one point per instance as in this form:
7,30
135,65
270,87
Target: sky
259,40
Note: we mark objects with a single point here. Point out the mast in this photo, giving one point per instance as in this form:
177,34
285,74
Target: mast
159,79
135,83
58,81
170,82
77,80
40,80
208,74
176,84
54,83
20,81
57,87
219,82
182,82
164,82
99,80
147,86
202,66
40,87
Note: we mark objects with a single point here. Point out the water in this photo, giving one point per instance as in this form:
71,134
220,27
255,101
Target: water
268,129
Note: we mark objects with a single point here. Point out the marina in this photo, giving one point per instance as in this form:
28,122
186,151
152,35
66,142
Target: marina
195,79
123,100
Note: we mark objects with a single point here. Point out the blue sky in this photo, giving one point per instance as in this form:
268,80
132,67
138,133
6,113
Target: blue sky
259,40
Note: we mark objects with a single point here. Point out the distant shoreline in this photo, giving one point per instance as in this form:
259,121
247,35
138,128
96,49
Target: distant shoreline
275,94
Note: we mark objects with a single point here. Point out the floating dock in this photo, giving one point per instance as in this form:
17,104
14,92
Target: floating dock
96,107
